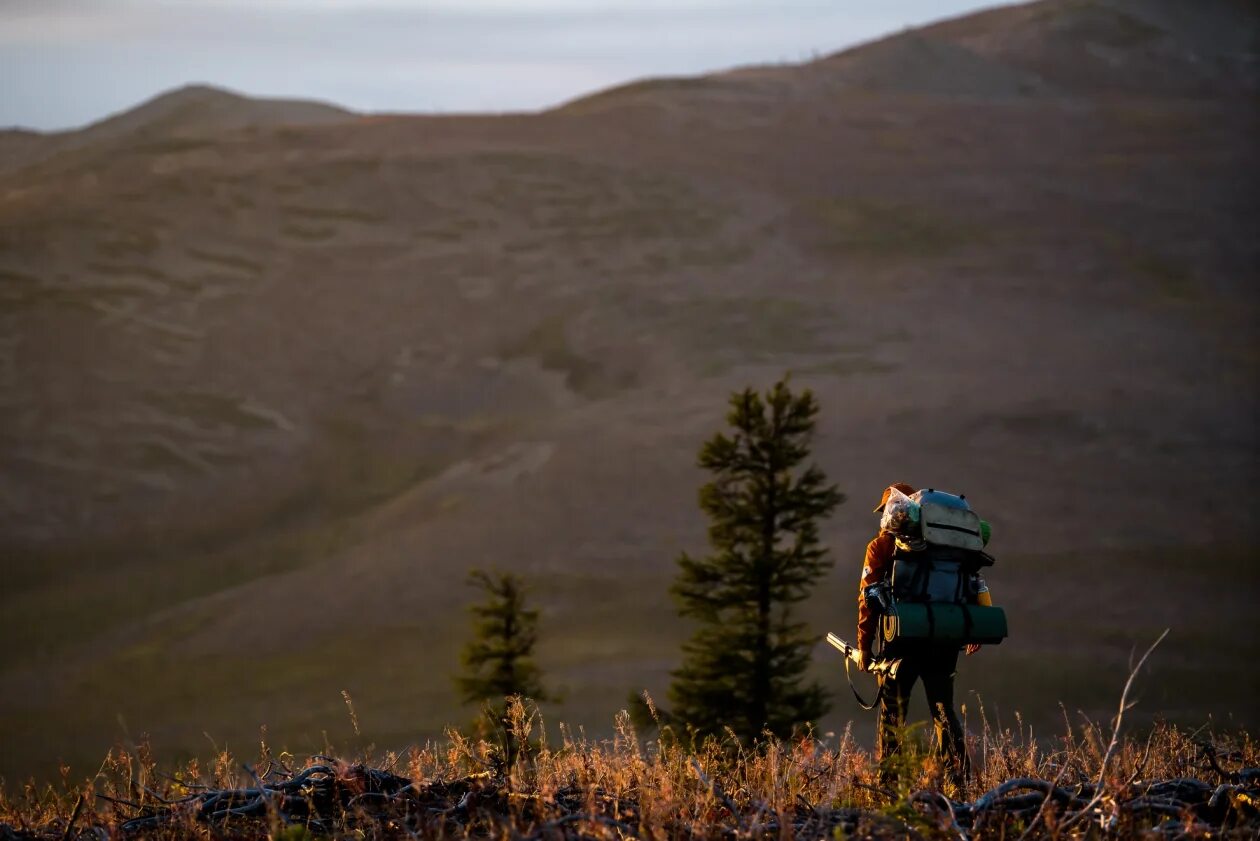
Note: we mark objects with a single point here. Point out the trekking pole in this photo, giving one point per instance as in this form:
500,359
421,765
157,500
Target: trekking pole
883,668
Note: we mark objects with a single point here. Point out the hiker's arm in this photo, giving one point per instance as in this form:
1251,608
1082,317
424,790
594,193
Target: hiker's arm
878,554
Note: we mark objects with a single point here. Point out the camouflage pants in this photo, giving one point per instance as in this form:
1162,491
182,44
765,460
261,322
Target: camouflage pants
936,667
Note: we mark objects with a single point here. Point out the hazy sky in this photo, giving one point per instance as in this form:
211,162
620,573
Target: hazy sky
68,62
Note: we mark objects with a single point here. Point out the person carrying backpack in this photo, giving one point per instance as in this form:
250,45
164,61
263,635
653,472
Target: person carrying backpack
922,599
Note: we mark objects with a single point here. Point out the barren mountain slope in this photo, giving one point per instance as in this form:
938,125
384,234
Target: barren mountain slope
203,109
169,122
1139,47
268,394
1059,48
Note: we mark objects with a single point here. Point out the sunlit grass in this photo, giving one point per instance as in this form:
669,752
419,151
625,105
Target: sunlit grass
651,785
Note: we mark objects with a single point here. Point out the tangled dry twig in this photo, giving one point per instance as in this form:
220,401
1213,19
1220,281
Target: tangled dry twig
340,800
1169,783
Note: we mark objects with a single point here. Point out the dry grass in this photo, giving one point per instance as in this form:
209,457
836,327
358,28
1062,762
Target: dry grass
1171,783
935,267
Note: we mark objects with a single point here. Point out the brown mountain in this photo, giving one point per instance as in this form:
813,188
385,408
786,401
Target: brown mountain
204,109
1070,48
1099,47
167,121
270,388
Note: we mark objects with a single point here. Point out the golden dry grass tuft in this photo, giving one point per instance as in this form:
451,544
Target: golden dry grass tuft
1168,783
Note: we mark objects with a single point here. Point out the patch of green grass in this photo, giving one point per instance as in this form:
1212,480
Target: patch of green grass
573,200
650,217
396,674
548,342
165,456
333,214
122,244
19,290
1127,599
126,269
8,276
71,603
217,411
456,228
646,87
871,228
30,292
645,215
338,170
521,163
226,260
308,233
1173,281
733,331
1050,425
46,619
171,145
523,246
715,253
849,365
603,632
179,185
397,671
1168,280
354,468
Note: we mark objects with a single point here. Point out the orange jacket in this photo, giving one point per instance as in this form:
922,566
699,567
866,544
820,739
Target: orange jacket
879,554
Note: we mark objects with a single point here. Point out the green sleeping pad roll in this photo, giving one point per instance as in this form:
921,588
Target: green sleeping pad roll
969,623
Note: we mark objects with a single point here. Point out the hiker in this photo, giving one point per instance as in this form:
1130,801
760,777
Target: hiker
931,659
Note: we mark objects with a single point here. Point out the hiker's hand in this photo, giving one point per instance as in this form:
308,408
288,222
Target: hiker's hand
973,648
864,660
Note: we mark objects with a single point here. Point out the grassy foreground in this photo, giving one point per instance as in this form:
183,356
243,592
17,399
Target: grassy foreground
1169,783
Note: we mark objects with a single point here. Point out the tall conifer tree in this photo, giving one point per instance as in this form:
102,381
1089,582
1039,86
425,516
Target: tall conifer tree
744,668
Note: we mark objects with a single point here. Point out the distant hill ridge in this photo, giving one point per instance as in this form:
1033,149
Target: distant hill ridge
186,112
1053,47
204,109
1078,47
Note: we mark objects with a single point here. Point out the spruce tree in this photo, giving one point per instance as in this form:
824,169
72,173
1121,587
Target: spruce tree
498,662
744,667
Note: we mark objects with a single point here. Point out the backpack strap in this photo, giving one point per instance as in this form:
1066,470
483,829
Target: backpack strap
861,703
916,587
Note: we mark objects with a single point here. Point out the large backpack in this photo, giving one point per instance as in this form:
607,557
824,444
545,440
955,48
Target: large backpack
932,590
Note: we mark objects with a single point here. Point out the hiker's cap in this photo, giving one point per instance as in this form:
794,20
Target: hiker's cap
883,500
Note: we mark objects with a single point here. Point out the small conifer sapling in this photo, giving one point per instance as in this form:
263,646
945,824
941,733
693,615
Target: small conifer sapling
498,662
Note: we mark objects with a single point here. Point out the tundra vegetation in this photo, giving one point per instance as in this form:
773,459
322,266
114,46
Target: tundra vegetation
498,663
738,758
271,379
1083,783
